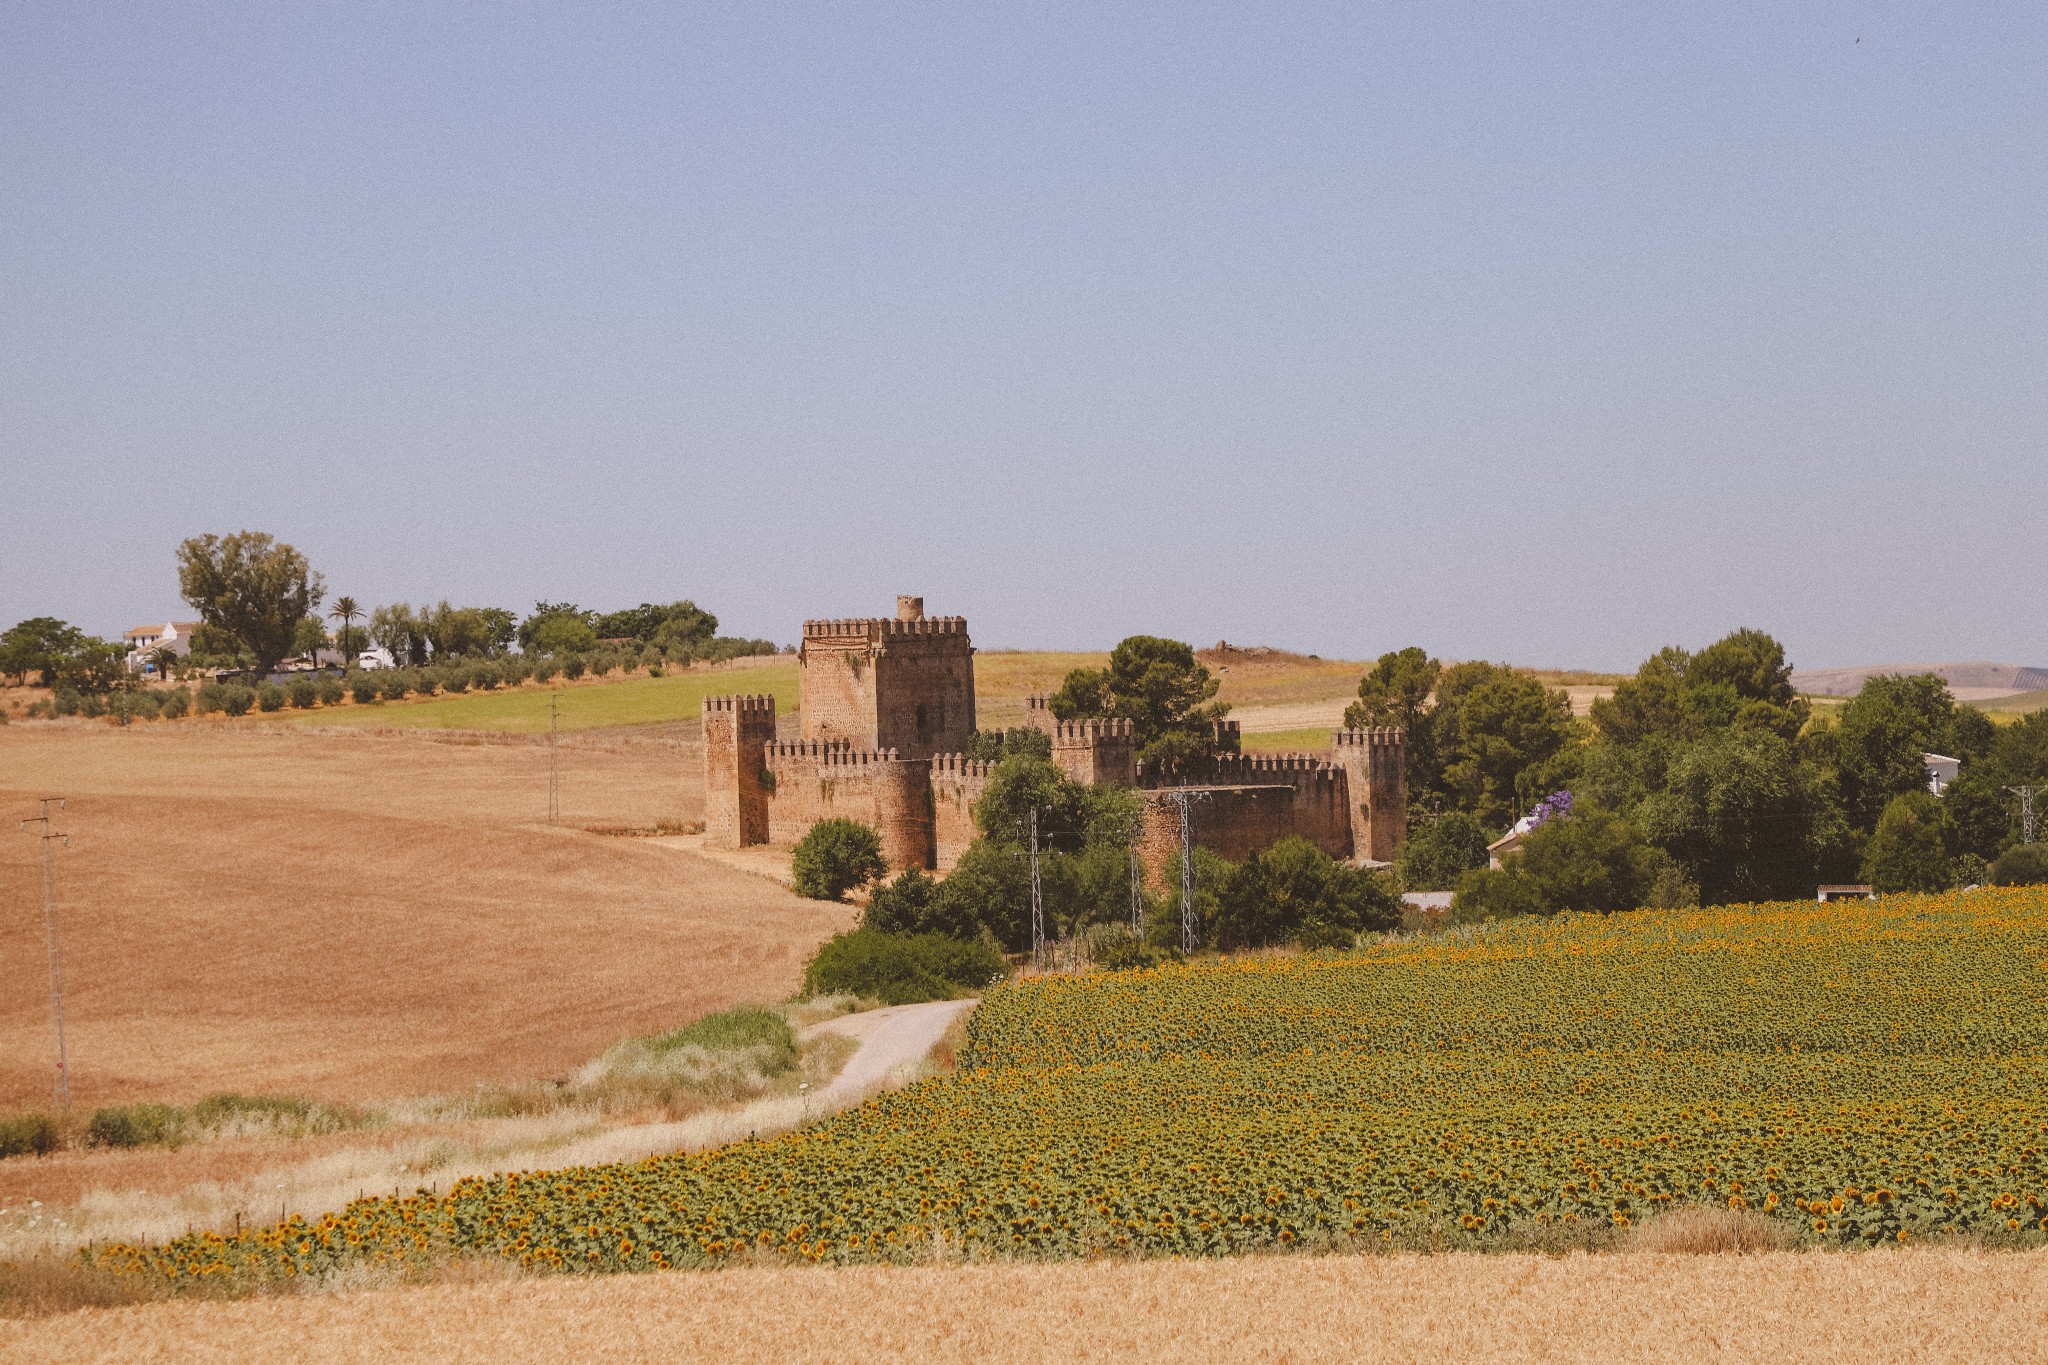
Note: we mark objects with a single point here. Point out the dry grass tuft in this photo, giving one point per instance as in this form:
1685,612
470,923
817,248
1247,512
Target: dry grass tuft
1696,1230
43,1286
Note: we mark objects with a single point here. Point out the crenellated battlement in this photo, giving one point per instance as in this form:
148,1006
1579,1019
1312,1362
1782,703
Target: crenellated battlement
876,629
1368,738
823,753
961,766
1090,731
741,703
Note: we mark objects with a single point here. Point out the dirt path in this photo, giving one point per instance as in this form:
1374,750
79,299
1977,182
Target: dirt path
896,1036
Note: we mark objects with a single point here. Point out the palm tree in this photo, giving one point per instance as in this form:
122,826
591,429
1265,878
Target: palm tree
346,611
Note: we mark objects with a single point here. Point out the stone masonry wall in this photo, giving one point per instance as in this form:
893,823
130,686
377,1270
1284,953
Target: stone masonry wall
737,731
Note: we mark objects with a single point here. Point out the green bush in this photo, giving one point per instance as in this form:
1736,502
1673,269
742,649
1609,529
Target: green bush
1294,892
486,676
453,678
394,684
270,697
136,1125
28,1135
176,702
363,687
834,857
1913,847
237,699
573,666
67,701
545,669
303,693
93,705
2021,865
900,969
1435,856
329,689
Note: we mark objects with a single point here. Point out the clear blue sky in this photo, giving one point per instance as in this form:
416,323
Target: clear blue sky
1545,333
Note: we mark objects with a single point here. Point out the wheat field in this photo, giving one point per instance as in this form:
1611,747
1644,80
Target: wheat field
1917,1305
279,909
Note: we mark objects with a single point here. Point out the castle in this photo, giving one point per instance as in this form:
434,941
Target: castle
888,710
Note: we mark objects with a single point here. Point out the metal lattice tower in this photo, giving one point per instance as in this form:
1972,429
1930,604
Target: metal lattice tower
53,947
2026,795
1184,800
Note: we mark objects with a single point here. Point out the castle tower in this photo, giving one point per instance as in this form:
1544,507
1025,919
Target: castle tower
736,732
903,812
1095,752
1038,713
1375,763
904,683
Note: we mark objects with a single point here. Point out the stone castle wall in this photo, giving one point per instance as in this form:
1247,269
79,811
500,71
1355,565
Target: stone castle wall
888,709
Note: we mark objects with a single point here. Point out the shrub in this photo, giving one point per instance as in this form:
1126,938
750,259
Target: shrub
68,701
92,704
1435,856
1913,847
237,699
516,671
573,666
452,678
485,676
545,669
654,670
136,1125
2021,865
394,685
270,697
1295,892
176,703
303,693
363,687
28,1135
900,969
834,857
330,690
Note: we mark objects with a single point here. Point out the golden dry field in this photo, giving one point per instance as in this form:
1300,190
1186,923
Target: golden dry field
1908,1305
274,908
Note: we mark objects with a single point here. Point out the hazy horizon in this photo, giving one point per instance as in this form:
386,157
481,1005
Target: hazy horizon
1545,337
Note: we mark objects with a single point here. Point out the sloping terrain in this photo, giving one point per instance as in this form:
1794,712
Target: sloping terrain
272,908
1973,681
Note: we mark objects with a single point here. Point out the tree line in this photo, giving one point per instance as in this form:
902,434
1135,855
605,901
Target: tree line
259,603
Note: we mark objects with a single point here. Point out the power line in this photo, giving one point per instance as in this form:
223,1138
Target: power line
52,945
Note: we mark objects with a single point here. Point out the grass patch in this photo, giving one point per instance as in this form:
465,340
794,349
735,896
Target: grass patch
641,700
219,1116
1314,739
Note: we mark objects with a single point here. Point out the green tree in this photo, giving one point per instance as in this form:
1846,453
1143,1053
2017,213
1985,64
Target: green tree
916,904
1590,860
991,887
1158,686
309,637
1293,892
1435,856
347,611
1914,846
1741,814
1494,724
1875,745
37,645
553,628
1743,679
466,632
255,588
92,667
834,857
1397,691
677,628
1651,705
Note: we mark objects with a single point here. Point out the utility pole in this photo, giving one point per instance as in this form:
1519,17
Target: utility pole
1037,901
554,767
2026,795
52,946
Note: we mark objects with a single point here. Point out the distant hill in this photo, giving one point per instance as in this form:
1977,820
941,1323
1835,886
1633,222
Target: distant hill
1976,681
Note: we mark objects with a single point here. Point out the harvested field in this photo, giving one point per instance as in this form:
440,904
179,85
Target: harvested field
281,909
1925,1305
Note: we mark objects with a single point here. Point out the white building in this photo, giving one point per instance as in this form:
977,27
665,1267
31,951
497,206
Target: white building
144,641
1941,770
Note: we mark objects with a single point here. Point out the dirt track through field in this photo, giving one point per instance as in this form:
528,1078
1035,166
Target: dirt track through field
357,916
1905,1305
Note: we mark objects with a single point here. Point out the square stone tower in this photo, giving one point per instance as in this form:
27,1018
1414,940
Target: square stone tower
905,683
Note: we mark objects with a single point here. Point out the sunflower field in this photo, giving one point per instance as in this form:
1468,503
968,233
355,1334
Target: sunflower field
1864,1072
